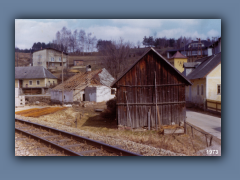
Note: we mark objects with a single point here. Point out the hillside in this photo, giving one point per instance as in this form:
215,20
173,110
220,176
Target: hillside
94,59
22,59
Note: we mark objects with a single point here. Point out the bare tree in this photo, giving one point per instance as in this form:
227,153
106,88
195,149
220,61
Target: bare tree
82,39
116,57
88,41
73,43
93,43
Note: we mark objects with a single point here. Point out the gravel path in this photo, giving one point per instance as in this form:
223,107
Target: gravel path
142,149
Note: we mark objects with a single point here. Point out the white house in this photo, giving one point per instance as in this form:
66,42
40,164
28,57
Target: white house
88,86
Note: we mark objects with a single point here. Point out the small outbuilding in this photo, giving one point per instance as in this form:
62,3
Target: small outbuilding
151,84
87,86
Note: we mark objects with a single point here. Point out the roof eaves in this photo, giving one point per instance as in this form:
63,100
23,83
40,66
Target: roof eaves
212,69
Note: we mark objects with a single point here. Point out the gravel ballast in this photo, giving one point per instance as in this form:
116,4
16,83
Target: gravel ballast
145,150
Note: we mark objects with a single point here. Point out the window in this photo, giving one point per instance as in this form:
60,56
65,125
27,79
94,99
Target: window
39,63
52,59
197,89
219,89
60,59
202,89
38,82
30,82
113,91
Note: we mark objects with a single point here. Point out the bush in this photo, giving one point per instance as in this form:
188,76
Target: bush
110,112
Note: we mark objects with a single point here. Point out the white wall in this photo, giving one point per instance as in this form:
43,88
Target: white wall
209,51
16,92
104,93
78,95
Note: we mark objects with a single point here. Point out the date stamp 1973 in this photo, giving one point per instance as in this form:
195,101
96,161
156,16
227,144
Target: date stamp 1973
212,151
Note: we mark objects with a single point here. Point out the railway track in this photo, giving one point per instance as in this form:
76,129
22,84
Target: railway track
64,143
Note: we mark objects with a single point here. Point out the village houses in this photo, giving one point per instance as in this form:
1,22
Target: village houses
195,49
205,74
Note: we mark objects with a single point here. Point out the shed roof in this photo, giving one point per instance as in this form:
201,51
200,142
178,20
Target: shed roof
82,80
151,49
206,66
32,72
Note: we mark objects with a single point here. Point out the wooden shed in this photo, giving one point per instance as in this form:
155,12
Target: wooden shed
151,84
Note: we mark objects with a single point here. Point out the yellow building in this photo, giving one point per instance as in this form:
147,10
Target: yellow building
33,80
205,74
177,60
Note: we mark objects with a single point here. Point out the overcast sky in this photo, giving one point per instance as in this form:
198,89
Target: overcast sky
28,31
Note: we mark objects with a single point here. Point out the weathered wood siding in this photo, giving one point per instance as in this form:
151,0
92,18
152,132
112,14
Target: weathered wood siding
139,83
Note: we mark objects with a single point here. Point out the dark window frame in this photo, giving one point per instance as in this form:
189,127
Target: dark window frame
197,89
219,89
113,91
202,90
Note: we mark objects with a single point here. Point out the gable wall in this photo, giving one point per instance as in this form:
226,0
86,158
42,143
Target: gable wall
143,74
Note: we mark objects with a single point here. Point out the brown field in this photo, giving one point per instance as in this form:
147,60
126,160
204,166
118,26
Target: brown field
36,112
24,59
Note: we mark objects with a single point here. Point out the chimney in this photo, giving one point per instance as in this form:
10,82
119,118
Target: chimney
88,68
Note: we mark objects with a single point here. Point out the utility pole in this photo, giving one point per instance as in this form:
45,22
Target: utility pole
62,82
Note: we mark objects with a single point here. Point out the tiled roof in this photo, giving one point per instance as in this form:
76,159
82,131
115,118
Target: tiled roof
32,72
178,55
82,80
151,49
206,66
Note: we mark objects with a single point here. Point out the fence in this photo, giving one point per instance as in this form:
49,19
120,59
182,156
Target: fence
197,133
213,105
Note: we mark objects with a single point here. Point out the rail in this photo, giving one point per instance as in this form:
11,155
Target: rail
100,145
